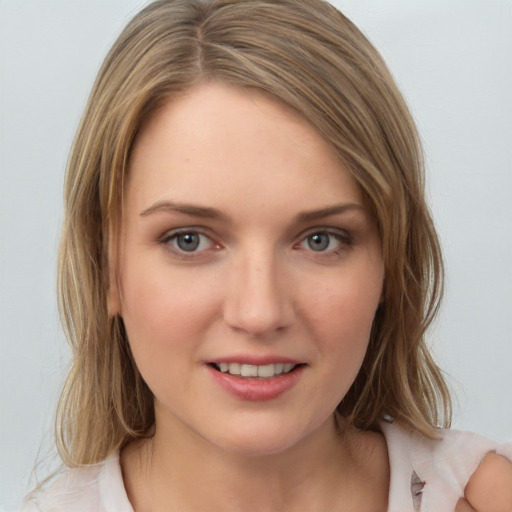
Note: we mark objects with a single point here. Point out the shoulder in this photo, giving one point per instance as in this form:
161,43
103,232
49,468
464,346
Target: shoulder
436,472
73,490
96,487
451,448
490,487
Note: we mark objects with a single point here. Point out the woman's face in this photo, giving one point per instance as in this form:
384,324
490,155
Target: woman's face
248,271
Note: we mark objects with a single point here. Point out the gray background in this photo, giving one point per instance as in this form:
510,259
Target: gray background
453,62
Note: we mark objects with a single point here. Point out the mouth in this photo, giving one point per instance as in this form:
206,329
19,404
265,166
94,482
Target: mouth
250,371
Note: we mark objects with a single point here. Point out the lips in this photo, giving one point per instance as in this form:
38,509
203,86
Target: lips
256,380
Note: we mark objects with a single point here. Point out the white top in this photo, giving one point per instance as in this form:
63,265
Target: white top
426,475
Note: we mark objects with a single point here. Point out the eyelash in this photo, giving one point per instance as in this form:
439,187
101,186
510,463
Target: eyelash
343,238
171,238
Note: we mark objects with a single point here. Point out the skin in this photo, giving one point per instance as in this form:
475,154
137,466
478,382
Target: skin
490,487
254,287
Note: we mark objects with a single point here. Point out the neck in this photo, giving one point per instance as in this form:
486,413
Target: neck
316,474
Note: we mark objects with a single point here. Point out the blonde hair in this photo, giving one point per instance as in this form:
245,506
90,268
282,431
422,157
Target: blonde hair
309,56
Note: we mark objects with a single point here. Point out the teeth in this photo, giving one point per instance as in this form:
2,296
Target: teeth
234,369
250,370
266,371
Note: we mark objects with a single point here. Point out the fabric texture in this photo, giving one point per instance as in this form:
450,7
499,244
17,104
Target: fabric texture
430,475
426,475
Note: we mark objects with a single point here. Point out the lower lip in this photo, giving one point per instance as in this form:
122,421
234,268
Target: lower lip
256,390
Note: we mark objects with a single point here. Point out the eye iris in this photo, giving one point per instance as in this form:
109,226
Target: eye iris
318,241
188,242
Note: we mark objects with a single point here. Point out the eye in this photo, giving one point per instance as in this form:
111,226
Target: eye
324,241
188,241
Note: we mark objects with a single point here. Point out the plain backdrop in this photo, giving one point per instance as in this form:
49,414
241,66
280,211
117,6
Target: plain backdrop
452,60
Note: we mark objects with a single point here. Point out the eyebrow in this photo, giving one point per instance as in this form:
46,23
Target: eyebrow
187,209
329,210
212,213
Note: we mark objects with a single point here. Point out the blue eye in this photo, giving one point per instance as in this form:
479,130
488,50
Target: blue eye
318,241
323,241
188,241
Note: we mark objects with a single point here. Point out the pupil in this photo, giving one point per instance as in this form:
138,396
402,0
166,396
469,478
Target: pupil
188,242
318,242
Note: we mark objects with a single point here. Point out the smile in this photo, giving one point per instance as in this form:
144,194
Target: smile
253,371
256,382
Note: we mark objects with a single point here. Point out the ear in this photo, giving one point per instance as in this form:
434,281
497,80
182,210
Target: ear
113,292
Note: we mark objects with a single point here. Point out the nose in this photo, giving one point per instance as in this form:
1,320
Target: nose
258,298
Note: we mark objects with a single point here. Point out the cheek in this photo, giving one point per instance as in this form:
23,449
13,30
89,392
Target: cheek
342,314
341,326
349,305
166,315
164,309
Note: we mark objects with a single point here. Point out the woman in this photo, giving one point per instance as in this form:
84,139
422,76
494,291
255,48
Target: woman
247,270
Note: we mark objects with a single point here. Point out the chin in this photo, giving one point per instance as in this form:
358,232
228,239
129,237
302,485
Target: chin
262,439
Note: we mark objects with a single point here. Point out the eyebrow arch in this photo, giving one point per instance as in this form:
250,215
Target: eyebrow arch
329,210
187,209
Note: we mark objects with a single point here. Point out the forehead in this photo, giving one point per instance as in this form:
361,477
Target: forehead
221,143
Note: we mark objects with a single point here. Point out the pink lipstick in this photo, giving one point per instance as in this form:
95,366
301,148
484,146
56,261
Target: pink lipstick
257,380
